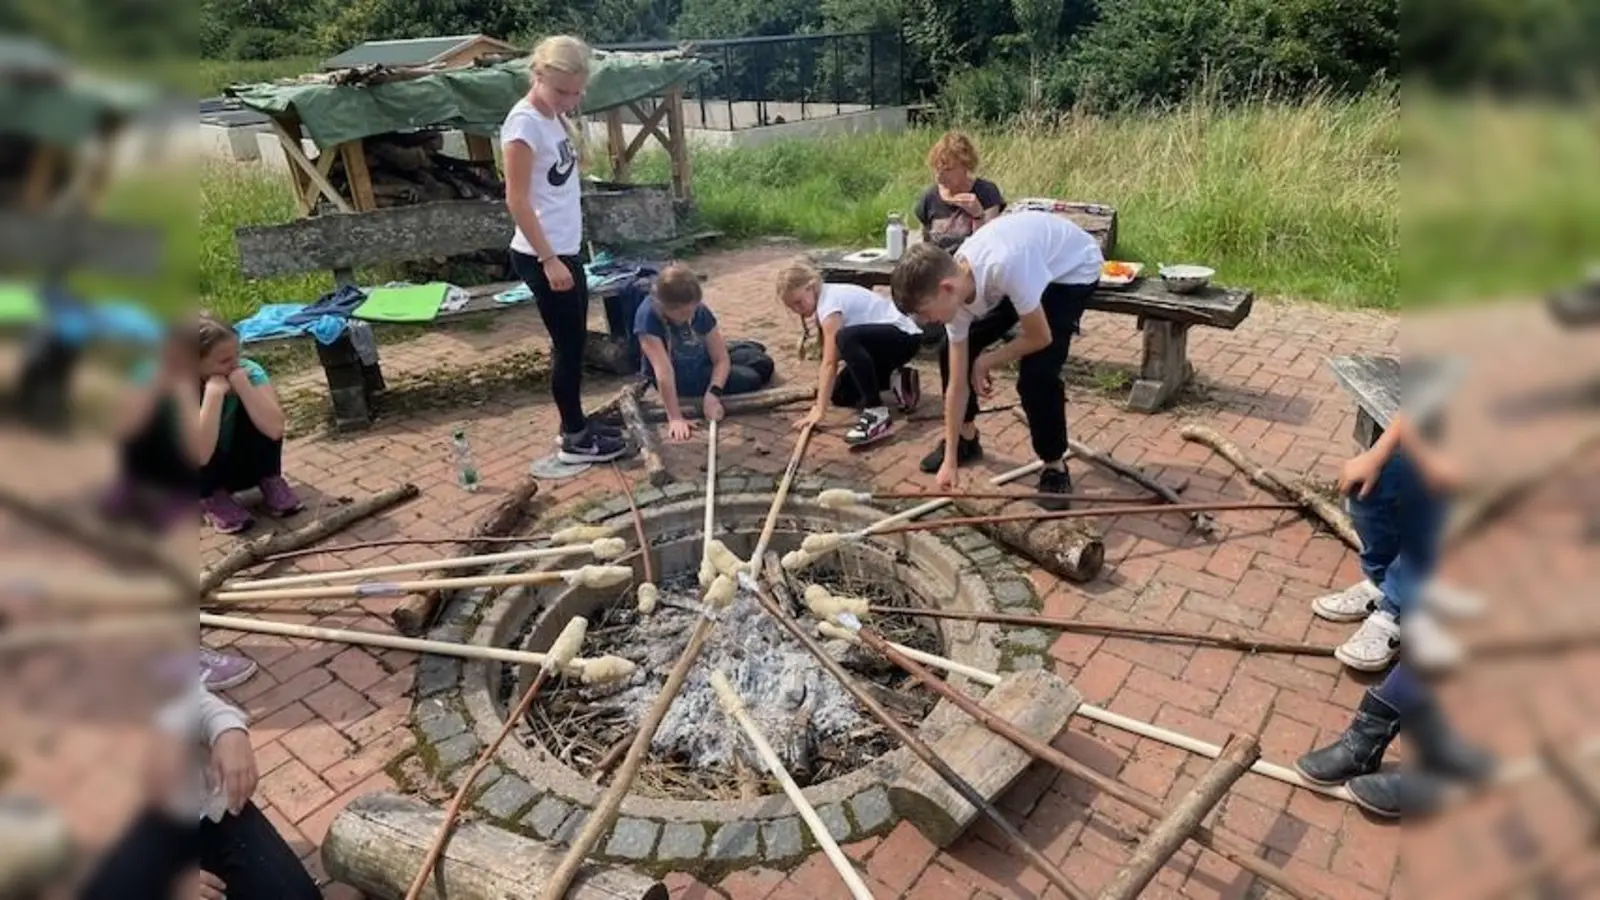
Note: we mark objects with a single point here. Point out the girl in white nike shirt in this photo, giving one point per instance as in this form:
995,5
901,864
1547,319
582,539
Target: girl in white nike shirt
542,192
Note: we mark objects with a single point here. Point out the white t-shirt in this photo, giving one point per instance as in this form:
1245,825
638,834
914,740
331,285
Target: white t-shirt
555,186
1017,256
857,305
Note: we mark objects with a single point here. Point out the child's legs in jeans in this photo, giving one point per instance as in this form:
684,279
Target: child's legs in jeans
870,354
251,457
1418,518
981,335
1377,522
1402,689
1039,385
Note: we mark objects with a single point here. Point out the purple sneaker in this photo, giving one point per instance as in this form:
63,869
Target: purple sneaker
222,671
225,514
279,497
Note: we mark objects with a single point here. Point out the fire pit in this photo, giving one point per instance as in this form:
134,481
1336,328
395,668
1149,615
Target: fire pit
701,804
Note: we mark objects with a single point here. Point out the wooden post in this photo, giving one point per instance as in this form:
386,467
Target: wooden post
1170,834
616,144
1164,368
678,145
480,148
354,154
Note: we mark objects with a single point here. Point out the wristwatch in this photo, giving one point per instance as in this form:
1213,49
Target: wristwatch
715,391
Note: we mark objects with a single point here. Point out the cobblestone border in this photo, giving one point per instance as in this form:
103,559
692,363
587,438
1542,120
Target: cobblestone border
457,712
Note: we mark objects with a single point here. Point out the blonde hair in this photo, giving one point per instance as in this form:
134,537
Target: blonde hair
954,147
798,274
570,56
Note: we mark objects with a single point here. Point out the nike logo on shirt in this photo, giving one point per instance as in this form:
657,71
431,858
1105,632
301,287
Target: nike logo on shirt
564,166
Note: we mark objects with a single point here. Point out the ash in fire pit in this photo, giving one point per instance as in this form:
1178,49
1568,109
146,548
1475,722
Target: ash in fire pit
811,721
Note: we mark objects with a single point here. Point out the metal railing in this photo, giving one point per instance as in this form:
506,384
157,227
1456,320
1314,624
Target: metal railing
756,81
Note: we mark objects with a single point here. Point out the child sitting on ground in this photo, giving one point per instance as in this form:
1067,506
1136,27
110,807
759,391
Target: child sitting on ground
875,341
684,353
203,419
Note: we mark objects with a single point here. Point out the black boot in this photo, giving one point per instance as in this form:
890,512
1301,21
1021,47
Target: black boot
1055,481
1440,750
1359,750
1398,793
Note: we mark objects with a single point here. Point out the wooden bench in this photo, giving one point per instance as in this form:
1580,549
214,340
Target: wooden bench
615,216
1164,318
1378,384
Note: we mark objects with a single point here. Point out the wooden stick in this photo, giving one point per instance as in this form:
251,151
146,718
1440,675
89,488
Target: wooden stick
386,641
735,709
1003,495
922,509
401,588
459,562
605,811
1207,838
1048,515
247,555
770,526
709,522
476,541
644,435
109,544
416,612
1229,640
1276,483
910,741
561,653
1203,523
638,524
1172,832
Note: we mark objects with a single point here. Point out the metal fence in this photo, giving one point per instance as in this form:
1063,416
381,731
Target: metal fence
770,80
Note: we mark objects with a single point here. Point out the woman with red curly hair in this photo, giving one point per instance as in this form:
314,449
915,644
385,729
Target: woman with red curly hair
959,202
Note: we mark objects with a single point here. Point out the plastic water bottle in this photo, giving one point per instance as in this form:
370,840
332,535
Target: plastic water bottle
466,469
894,237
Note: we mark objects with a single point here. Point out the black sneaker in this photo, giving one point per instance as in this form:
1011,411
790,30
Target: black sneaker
589,447
907,388
1055,481
871,426
604,428
967,451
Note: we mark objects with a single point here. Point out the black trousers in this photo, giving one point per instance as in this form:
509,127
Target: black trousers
749,370
566,317
153,458
1039,385
870,354
250,457
245,851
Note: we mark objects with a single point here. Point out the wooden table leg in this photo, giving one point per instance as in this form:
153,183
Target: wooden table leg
1164,368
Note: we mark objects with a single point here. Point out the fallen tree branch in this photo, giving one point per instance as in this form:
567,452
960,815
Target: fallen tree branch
644,436
248,554
739,404
1291,489
1203,523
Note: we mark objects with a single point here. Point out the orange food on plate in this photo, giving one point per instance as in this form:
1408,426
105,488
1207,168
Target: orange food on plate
1117,270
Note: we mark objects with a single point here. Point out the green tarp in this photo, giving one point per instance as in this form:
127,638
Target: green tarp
472,100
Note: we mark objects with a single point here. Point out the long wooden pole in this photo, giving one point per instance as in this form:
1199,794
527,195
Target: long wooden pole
456,562
1048,515
605,811
561,653
735,708
1172,832
401,588
1202,522
1247,644
709,523
916,745
1003,495
932,506
1039,750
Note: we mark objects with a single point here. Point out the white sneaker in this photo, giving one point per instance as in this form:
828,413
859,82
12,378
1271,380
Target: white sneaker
1352,604
1374,645
1428,645
1451,602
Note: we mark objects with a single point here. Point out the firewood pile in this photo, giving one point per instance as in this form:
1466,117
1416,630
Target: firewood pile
408,169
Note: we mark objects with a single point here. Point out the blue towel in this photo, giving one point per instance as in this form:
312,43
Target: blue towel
276,320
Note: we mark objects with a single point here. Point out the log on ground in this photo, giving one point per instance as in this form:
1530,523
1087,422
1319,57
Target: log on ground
1036,701
1066,548
378,842
416,612
644,436
246,555
737,404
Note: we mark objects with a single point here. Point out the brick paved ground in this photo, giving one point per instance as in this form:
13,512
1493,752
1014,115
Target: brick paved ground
327,719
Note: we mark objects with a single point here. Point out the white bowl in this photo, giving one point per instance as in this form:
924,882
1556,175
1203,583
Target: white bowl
1186,279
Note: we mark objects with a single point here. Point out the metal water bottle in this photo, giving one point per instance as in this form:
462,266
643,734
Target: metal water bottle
466,469
894,237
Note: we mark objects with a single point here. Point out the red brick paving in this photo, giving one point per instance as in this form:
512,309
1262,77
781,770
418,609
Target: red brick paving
327,720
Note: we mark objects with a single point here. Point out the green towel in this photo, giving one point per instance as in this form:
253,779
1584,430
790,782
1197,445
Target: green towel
408,303
19,304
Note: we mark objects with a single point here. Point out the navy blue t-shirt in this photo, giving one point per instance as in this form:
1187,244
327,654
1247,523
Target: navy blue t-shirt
686,344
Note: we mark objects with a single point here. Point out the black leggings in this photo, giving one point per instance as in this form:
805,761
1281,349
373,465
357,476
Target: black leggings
153,458
871,354
245,851
566,317
251,457
1039,385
